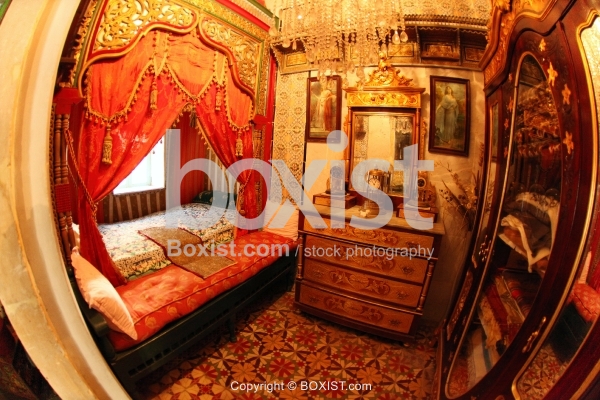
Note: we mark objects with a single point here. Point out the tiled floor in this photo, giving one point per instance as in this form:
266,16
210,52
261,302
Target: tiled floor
276,345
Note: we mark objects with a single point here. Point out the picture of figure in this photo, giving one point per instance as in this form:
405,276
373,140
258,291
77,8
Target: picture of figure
446,116
323,103
323,113
449,115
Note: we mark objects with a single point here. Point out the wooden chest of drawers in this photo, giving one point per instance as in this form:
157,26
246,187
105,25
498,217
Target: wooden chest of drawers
375,280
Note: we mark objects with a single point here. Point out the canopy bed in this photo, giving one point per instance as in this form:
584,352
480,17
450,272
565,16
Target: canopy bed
131,89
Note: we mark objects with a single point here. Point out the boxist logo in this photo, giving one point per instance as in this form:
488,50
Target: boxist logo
410,166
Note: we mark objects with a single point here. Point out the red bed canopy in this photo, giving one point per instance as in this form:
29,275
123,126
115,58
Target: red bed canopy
130,102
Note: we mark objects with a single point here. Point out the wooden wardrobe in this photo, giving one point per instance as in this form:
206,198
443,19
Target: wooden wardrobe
516,329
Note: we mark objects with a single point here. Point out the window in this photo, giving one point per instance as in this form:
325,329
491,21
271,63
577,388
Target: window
148,175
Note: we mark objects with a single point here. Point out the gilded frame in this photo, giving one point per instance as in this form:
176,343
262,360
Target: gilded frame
449,116
323,108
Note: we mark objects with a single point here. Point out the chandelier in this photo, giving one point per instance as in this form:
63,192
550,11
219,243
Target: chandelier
340,35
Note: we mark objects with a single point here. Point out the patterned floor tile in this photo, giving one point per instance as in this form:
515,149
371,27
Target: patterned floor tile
277,345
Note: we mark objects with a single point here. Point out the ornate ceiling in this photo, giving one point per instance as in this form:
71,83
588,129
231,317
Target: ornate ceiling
452,33
462,12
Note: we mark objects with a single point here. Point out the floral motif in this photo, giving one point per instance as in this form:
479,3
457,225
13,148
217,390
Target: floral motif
465,202
568,141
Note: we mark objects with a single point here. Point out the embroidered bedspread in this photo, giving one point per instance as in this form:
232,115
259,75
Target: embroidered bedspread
135,254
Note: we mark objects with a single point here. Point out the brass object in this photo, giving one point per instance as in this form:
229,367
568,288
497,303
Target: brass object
533,336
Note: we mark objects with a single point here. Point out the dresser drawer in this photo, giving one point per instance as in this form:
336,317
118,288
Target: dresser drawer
362,257
381,236
356,310
379,289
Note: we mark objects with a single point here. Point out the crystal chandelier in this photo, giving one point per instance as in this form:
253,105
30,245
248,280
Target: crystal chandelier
340,35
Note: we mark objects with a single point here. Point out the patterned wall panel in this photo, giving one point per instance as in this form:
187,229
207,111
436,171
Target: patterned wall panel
290,120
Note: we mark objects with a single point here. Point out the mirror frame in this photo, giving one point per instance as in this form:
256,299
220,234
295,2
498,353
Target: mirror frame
385,91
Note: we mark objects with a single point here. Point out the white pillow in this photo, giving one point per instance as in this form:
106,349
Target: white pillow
290,230
101,295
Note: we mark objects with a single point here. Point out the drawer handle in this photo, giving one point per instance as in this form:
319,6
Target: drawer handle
313,299
408,270
402,295
412,245
395,322
534,335
318,274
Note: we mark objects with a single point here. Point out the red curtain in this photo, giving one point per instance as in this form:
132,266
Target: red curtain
192,147
139,96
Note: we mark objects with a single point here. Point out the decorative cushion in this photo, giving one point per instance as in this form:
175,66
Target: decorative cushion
208,197
155,300
100,295
290,230
586,301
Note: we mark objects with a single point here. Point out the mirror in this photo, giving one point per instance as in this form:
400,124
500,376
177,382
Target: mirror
481,252
382,136
524,231
575,319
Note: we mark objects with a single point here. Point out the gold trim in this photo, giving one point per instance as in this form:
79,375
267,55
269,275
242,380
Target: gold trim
375,98
502,26
124,19
590,207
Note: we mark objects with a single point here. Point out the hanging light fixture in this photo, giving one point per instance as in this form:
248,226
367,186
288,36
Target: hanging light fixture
340,35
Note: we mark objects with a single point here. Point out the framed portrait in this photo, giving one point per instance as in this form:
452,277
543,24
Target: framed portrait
449,116
323,107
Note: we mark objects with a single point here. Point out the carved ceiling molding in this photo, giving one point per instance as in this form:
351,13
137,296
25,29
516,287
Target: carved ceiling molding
123,20
505,15
111,28
260,12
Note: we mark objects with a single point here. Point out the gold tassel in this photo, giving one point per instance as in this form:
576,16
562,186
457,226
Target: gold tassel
107,147
153,95
219,98
193,119
239,146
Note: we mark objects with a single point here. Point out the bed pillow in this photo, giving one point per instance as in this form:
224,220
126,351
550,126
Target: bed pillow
208,196
100,295
204,197
290,230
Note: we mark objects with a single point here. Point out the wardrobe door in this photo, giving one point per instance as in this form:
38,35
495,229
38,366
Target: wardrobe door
522,236
475,264
561,349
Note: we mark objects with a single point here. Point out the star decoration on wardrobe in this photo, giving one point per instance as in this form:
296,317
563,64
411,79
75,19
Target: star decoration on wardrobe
510,105
542,46
566,93
568,141
506,123
552,75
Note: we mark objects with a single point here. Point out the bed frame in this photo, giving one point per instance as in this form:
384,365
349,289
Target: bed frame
135,363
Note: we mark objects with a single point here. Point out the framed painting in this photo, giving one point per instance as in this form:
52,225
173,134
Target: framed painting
323,107
449,116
